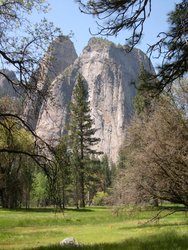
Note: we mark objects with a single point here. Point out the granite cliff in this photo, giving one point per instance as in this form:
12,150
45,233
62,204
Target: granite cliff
59,56
109,72
6,87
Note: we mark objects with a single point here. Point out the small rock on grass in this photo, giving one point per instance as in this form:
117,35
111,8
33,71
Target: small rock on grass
70,241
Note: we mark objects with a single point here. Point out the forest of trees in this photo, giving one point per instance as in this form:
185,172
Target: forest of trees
74,169
153,161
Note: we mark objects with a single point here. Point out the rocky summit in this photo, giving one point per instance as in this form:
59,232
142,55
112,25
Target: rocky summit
60,55
109,71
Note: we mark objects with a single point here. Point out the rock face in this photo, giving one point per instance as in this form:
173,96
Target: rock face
60,55
109,72
6,87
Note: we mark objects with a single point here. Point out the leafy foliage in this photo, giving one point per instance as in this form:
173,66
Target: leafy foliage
14,172
40,189
22,45
100,199
173,46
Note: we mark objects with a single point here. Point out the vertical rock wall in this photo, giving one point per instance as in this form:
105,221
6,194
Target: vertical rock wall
109,72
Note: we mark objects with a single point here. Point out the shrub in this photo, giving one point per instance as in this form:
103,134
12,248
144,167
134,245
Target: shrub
100,199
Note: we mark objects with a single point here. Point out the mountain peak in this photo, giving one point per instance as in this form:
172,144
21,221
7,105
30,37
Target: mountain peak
61,54
109,71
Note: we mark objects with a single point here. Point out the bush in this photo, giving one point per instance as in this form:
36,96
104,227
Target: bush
100,199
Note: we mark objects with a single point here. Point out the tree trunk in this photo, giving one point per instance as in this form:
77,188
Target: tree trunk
82,189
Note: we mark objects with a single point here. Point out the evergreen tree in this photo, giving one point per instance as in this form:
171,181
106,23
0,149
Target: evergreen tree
147,93
107,173
63,171
82,140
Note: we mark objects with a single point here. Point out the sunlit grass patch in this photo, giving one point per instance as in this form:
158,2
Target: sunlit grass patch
167,241
94,228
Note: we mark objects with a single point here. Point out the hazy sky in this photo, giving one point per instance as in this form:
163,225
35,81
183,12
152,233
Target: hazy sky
66,15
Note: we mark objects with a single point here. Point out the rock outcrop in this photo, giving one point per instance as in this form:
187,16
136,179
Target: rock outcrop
110,72
7,84
71,241
60,55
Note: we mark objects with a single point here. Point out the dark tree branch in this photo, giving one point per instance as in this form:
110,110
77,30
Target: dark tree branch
158,216
130,15
119,15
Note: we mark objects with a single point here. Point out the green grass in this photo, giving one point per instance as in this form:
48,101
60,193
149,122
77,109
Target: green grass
95,229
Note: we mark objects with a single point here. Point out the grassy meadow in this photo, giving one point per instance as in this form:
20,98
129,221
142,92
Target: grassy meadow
93,228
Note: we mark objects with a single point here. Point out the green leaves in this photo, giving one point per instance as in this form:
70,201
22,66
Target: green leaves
14,137
39,188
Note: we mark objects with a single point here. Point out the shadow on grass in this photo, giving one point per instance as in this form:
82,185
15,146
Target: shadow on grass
78,210
47,210
30,210
157,225
176,207
168,241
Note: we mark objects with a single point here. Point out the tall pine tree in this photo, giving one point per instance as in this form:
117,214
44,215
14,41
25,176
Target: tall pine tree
82,140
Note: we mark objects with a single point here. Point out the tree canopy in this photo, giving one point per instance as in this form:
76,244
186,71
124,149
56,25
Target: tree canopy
22,46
